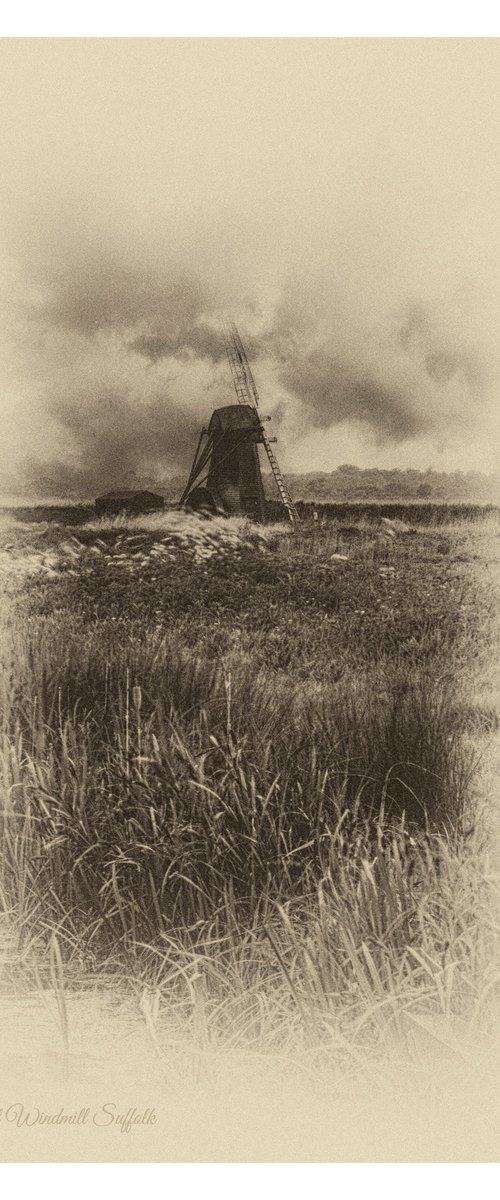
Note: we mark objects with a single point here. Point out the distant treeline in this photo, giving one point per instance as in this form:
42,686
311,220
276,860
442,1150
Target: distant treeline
349,484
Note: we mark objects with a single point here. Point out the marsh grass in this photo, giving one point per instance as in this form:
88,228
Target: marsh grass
248,783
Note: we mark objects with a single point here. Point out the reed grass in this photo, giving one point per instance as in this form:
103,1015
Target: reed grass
251,787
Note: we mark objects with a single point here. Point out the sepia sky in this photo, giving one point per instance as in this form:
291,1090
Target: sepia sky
339,198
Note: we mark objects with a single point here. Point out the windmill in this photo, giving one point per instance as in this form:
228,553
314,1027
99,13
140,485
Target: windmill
226,475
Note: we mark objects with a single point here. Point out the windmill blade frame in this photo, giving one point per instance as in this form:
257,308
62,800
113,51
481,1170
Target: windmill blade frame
246,391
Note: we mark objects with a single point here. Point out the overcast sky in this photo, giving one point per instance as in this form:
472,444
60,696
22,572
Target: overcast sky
339,198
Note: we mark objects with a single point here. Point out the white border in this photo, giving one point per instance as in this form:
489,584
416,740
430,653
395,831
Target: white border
227,1181
261,18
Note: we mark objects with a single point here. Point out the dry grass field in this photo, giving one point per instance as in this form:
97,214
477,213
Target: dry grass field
248,782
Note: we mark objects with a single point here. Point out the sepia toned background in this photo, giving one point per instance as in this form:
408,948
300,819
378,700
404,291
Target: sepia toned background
339,199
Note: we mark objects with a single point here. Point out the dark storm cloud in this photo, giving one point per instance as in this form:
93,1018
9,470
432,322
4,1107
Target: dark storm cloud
444,358
333,390
114,443
98,320
196,338
101,291
400,375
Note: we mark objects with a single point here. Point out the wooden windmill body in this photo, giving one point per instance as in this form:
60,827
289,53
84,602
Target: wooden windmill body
226,474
